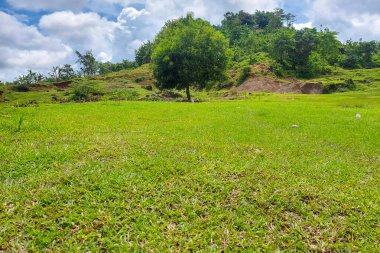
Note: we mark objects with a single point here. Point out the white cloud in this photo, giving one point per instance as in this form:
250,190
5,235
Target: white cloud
23,47
83,31
352,19
303,25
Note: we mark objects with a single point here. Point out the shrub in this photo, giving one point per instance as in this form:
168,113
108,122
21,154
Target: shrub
21,87
124,95
277,69
84,93
260,58
244,73
139,79
347,85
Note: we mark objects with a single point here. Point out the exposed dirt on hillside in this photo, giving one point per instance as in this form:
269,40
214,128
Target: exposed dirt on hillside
262,84
62,85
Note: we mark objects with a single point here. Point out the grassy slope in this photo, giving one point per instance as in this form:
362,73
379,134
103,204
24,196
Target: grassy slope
365,79
123,86
120,85
214,176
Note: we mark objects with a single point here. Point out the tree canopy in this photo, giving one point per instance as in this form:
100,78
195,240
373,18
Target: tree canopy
189,52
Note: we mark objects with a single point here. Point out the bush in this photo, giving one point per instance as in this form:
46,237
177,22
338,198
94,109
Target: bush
139,79
84,93
119,95
340,87
260,58
244,73
21,87
277,69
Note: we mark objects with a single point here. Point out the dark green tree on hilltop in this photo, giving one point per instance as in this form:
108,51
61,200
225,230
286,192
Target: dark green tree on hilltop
144,53
189,52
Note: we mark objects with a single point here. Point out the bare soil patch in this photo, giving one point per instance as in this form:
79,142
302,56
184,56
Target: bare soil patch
62,85
262,84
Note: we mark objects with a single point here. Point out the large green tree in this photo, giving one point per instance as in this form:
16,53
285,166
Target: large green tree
189,52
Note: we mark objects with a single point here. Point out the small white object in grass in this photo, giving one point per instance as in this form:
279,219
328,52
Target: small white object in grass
295,126
358,116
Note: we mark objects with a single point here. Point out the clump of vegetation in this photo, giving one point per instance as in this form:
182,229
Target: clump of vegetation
129,95
2,88
25,82
347,85
139,79
85,93
245,71
165,94
29,103
109,67
62,73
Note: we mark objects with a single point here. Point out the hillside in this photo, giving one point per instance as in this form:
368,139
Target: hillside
139,84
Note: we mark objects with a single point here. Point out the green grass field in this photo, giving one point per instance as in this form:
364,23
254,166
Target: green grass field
204,177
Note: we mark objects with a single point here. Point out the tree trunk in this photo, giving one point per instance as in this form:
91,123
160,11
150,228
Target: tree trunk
188,93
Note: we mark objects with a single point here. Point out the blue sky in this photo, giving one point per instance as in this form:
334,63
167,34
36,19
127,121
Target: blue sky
38,34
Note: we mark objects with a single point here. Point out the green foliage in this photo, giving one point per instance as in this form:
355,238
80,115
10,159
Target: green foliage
376,60
189,52
329,48
277,69
24,83
139,79
85,93
260,58
19,123
360,54
108,67
347,85
62,73
143,54
129,95
236,26
283,47
245,71
89,66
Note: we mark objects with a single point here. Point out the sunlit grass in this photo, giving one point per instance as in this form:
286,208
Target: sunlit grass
232,175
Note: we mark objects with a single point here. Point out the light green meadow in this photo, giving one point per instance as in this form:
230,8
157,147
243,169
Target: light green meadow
273,172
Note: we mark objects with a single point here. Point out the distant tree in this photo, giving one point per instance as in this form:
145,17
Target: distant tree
59,73
367,49
359,54
104,67
328,47
306,41
283,47
89,66
67,72
24,82
108,67
144,53
55,73
189,52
